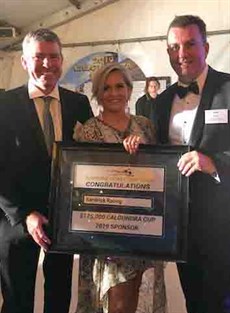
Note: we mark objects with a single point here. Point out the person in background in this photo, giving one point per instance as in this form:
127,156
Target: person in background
26,140
112,283
145,104
195,111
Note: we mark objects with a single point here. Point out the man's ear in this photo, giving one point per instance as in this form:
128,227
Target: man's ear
168,50
23,62
206,46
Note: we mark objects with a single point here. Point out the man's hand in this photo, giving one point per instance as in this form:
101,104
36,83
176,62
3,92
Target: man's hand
34,223
194,161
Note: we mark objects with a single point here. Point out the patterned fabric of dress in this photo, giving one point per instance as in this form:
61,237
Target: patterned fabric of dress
97,275
95,130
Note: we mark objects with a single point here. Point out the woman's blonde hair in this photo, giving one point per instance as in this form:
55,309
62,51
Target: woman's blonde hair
100,76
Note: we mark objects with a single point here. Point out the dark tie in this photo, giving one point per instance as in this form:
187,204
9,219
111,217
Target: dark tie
183,91
48,125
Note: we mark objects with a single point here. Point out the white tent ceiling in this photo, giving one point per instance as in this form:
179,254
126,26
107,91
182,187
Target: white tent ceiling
26,15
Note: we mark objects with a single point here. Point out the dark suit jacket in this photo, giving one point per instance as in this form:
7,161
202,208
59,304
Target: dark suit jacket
209,201
24,161
145,106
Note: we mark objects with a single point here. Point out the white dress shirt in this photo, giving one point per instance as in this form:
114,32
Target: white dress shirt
183,113
55,107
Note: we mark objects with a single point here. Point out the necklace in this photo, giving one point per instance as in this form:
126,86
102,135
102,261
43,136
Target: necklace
119,134
118,123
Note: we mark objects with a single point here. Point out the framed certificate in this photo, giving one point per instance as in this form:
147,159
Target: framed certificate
105,201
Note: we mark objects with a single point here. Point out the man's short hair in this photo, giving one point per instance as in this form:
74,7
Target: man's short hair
41,34
186,20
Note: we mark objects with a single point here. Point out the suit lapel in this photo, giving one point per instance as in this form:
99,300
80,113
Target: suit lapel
63,111
68,116
165,118
27,112
205,104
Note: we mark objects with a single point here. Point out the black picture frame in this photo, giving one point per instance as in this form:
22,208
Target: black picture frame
107,202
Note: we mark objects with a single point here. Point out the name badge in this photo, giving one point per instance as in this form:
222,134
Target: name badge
216,116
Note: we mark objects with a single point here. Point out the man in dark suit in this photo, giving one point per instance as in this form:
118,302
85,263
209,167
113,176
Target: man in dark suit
198,114
25,161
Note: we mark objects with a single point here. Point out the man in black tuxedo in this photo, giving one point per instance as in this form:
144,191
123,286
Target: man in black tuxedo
25,161
198,115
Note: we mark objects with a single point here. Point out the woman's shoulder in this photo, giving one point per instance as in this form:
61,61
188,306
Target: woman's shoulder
90,131
141,119
91,121
146,126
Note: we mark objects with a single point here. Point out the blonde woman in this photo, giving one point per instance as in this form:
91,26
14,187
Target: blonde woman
112,284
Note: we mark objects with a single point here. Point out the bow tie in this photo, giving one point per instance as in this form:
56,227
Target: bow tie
183,91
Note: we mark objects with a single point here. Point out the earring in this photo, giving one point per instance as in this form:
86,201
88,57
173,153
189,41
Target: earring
100,111
127,108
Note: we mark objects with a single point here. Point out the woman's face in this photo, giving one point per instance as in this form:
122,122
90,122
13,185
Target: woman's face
116,93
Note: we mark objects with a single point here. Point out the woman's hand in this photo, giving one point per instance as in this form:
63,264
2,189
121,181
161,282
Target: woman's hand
131,143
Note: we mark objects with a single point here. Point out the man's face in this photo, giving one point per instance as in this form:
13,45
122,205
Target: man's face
43,62
187,52
153,88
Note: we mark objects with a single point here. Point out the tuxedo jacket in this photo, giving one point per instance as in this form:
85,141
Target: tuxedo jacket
209,221
24,160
